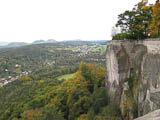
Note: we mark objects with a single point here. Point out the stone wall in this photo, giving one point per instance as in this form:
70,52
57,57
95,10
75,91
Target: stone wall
143,57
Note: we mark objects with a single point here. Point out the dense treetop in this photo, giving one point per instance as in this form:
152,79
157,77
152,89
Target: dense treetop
142,22
82,97
47,93
155,25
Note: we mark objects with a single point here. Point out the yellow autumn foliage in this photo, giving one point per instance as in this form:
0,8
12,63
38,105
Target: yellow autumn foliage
155,25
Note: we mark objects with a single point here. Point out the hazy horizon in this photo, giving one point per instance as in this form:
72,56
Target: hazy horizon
27,21
49,39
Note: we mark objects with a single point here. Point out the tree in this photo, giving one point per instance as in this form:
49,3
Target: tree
125,20
110,112
49,112
155,26
140,26
134,24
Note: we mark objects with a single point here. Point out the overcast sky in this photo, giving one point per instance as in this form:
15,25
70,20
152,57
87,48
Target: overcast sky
29,20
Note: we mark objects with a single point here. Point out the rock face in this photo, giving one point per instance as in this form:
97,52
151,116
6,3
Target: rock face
155,115
133,76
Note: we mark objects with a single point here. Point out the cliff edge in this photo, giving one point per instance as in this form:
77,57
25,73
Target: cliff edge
133,76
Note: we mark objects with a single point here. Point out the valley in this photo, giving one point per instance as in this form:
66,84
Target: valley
48,58
50,81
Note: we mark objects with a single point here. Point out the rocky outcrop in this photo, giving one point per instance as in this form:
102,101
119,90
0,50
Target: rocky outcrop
155,115
133,76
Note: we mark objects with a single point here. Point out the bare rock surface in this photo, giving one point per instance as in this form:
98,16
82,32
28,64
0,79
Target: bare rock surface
144,57
155,115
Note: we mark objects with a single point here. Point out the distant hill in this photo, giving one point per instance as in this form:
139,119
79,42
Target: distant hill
4,43
43,41
72,40
97,40
79,40
12,44
38,41
51,41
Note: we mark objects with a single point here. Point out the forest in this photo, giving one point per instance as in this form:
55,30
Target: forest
70,88
80,97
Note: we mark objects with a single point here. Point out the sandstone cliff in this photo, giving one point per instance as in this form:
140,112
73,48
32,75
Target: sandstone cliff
133,76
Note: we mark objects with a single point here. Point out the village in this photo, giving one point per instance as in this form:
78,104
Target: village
8,79
81,51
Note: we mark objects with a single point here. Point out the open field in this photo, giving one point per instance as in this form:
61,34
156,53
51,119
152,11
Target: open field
66,76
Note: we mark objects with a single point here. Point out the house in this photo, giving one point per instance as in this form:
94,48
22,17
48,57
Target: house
16,65
1,84
9,77
3,79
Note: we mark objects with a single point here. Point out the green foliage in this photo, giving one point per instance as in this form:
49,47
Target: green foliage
129,103
37,98
48,113
134,24
78,102
99,98
110,112
90,72
122,36
37,102
51,90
